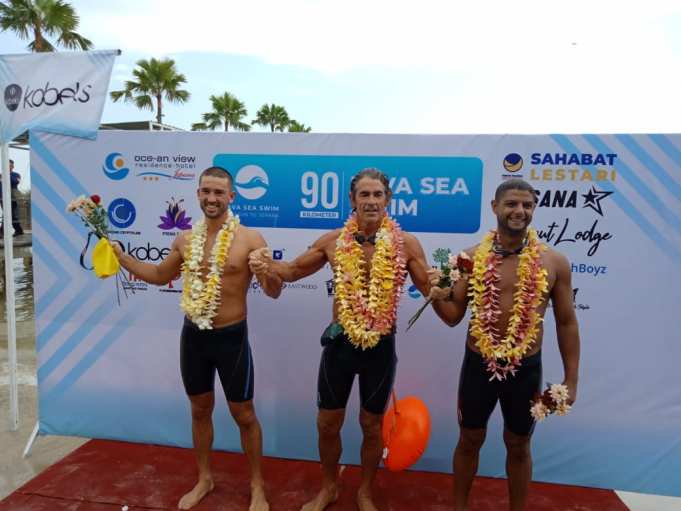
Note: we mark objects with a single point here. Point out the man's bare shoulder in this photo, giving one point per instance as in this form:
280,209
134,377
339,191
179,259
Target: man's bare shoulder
328,240
471,250
555,259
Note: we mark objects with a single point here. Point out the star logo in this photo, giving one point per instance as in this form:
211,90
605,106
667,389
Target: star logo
593,199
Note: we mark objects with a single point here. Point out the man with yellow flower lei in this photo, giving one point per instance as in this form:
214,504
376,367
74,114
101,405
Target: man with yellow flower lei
370,257
213,259
513,277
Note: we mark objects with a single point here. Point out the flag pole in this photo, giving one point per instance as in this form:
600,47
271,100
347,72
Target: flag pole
9,289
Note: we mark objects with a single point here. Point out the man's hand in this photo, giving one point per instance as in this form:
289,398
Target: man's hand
259,260
117,250
572,391
436,292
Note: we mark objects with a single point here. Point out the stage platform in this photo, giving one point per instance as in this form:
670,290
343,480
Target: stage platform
106,476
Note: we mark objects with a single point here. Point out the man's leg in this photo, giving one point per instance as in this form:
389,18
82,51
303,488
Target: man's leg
202,436
466,458
372,451
329,424
518,468
18,231
251,443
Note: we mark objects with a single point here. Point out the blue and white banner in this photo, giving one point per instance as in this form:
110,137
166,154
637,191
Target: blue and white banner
60,92
610,203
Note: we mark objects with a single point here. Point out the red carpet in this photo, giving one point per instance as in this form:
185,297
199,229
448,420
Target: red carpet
104,476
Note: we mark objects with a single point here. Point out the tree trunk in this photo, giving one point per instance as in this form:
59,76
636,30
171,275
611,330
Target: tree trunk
159,112
38,37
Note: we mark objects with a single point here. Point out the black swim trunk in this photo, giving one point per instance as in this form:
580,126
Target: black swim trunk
224,349
375,366
478,396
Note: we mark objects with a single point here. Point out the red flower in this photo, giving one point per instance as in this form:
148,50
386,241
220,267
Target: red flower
96,199
464,264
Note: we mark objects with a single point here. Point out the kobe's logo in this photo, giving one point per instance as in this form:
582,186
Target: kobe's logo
114,166
251,182
12,96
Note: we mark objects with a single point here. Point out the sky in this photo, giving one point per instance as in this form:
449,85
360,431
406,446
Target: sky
374,66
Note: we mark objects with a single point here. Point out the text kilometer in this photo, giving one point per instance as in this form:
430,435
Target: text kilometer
430,186
588,236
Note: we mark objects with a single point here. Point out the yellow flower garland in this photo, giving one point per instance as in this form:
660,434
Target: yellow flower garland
200,299
368,312
503,355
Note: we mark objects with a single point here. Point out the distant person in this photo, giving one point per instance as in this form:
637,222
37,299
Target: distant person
15,179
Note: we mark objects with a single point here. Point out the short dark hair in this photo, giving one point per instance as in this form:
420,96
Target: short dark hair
11,161
372,173
514,184
217,172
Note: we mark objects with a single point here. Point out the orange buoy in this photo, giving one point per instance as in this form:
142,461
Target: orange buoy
405,433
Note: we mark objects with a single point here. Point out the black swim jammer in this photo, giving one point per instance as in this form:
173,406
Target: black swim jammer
224,349
478,395
341,360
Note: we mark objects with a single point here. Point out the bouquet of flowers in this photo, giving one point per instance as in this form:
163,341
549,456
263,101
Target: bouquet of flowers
104,261
553,400
452,268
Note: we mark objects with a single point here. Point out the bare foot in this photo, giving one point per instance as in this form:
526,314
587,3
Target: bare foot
202,488
258,499
364,502
326,496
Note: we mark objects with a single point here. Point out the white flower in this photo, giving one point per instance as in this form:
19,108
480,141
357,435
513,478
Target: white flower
539,411
563,408
559,393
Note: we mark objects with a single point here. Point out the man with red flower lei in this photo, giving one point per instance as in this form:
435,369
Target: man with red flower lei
508,291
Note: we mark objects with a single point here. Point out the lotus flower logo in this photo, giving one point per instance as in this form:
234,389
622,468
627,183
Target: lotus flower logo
175,217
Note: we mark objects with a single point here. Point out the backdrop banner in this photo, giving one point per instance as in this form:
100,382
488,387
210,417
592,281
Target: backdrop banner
610,203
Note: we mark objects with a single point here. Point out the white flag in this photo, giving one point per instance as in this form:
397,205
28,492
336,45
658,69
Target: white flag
61,92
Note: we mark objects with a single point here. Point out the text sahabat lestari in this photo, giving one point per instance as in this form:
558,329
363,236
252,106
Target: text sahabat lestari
570,167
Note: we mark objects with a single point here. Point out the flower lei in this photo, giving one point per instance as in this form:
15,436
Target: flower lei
503,355
368,312
200,299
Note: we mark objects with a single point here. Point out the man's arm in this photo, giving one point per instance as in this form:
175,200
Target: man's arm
416,264
567,330
309,262
269,281
450,304
157,274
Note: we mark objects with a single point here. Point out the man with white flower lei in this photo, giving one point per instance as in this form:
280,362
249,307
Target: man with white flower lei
362,344
213,258
513,277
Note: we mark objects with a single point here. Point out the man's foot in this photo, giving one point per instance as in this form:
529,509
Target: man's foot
202,488
258,499
364,502
326,496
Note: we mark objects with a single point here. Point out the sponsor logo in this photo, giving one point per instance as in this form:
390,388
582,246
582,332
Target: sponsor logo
171,287
579,306
556,234
513,162
122,213
589,269
114,166
147,252
175,216
413,292
571,198
330,287
12,97
153,168
38,97
278,255
135,283
573,159
251,182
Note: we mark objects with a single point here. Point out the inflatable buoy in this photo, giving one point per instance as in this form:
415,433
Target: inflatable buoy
405,433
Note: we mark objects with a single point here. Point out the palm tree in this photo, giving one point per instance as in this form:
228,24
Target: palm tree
155,79
298,127
40,18
227,111
274,116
